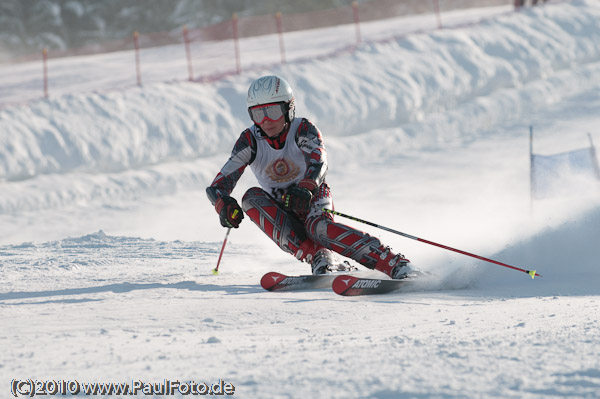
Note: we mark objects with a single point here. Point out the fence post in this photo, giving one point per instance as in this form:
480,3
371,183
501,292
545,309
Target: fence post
436,5
236,45
356,21
519,4
279,24
186,41
136,44
45,70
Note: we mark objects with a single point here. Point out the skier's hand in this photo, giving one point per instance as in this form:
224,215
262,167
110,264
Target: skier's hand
230,213
297,200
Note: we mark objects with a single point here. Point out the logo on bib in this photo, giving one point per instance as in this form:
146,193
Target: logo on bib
280,171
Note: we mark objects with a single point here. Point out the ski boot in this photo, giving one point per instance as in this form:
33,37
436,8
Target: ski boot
323,261
395,266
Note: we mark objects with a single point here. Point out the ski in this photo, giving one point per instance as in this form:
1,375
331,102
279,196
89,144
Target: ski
347,285
274,281
344,282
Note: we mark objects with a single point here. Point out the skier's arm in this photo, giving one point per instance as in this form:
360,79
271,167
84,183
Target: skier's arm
310,141
243,154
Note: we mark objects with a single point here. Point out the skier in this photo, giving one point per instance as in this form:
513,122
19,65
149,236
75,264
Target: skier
288,157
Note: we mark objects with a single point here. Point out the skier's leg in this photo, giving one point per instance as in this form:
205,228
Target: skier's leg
281,226
355,244
348,241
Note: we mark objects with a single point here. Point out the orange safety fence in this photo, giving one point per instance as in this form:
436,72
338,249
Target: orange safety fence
227,34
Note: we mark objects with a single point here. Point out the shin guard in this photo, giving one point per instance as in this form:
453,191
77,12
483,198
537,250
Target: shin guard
352,243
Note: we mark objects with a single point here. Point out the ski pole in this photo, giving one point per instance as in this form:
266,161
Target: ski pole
216,269
532,273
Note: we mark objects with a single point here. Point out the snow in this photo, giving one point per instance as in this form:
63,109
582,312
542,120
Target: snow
107,240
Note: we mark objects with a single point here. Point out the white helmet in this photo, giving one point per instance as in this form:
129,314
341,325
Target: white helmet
272,89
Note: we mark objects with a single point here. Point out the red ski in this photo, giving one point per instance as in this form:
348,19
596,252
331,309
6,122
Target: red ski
351,285
274,281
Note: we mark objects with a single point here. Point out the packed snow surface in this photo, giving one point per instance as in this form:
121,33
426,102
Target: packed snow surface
107,240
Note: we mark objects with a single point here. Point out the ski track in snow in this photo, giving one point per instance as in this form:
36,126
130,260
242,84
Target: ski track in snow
107,241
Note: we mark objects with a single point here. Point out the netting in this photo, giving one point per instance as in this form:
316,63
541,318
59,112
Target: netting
231,46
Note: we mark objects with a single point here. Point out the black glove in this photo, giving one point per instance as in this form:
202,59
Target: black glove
297,200
230,213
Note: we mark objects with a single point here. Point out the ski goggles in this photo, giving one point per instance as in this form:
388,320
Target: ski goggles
272,112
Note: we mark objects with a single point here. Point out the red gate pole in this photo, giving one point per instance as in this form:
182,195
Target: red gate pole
436,5
356,21
45,69
280,33
236,45
188,54
136,43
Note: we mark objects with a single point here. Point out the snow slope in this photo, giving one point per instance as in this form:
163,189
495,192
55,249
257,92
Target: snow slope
107,240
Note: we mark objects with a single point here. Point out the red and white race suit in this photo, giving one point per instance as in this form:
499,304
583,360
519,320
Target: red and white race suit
296,157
